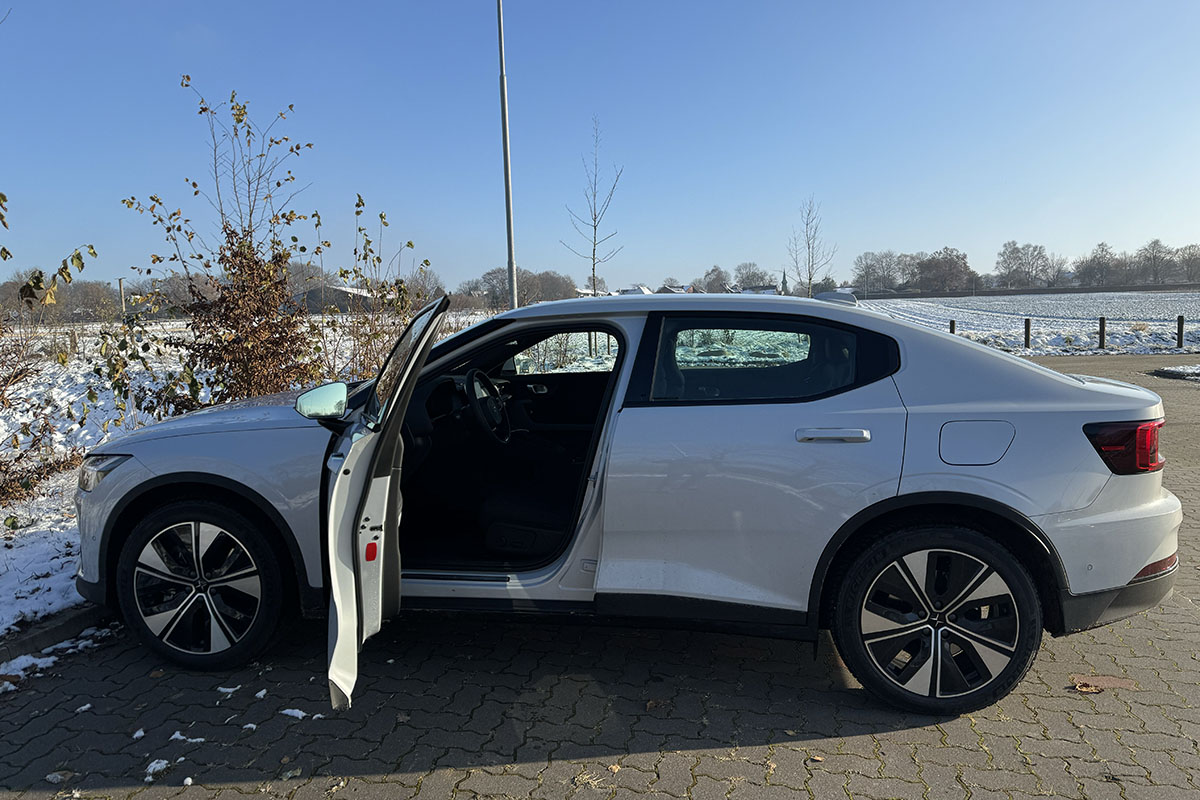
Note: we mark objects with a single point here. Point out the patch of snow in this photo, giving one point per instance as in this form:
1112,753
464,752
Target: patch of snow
22,665
83,708
187,781
228,692
139,733
260,694
294,712
155,767
249,726
178,736
55,778
1190,372
39,559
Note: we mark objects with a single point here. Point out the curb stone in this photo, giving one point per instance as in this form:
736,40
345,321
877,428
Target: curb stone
52,630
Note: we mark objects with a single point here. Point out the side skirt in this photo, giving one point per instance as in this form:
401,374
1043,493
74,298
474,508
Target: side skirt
633,610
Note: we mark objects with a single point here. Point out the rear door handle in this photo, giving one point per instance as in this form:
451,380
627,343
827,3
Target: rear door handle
833,435
538,388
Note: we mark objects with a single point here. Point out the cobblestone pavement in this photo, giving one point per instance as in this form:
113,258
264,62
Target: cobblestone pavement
464,707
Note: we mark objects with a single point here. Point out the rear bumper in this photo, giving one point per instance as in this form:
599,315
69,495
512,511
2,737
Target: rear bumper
1083,611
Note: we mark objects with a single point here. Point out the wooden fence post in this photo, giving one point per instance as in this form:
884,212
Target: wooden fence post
1102,333
1179,332
1027,333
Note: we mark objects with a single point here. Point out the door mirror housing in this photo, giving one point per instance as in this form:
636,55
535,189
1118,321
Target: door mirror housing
323,402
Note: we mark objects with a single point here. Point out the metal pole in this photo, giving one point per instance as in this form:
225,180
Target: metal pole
121,290
512,256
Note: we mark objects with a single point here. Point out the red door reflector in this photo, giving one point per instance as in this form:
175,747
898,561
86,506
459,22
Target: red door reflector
372,551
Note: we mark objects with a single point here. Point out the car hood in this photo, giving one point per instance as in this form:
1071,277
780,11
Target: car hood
258,413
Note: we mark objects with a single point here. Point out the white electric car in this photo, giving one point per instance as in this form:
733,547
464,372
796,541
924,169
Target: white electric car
762,465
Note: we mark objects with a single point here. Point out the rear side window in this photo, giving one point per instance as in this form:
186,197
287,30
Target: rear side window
732,359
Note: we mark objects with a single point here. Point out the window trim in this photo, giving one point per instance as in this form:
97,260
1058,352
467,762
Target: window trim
641,380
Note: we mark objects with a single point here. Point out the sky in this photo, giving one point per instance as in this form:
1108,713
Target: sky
914,125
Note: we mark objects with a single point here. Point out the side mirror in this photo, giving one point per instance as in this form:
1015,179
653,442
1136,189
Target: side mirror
323,402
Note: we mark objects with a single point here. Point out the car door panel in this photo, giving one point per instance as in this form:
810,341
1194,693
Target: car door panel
735,502
364,510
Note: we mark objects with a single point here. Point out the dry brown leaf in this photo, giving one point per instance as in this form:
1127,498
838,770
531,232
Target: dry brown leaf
790,733
157,673
1083,687
816,758
614,768
653,704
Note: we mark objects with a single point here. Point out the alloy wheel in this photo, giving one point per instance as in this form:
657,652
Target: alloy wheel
197,588
940,623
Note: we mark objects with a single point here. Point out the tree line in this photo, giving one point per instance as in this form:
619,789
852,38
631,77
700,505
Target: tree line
1020,266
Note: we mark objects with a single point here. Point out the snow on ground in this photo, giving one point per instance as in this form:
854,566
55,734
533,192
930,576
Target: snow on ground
1061,324
1190,372
39,559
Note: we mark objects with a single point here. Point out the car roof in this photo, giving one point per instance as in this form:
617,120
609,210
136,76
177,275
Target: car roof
641,304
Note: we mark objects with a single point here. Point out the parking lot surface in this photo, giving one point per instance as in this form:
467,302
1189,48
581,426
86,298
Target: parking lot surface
470,707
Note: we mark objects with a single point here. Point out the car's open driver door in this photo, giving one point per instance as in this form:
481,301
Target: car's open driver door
365,504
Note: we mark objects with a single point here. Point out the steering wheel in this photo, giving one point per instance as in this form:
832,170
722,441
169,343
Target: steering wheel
488,411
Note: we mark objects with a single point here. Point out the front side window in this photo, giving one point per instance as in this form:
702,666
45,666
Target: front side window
741,359
570,351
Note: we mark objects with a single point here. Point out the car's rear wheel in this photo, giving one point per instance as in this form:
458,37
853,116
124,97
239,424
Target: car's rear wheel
200,585
938,619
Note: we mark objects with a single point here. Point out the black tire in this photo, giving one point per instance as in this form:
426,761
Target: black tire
976,606
209,621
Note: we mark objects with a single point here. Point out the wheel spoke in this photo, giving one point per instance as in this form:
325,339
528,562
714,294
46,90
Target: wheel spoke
247,585
162,576
924,678
205,534
218,637
161,624
906,657
915,569
236,577
876,627
966,663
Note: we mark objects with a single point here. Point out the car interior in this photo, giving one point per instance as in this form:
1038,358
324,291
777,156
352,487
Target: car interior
496,449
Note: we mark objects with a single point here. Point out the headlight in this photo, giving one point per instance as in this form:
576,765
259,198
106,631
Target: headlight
95,468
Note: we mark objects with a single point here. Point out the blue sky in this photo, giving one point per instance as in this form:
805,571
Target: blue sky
915,125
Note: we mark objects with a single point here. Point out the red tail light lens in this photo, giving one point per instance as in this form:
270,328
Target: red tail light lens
1128,448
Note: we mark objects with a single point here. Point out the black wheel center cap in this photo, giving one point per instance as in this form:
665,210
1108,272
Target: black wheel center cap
201,586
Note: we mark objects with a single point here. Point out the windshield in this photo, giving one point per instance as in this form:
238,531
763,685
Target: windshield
394,367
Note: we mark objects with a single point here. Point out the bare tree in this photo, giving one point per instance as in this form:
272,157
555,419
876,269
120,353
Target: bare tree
597,199
808,254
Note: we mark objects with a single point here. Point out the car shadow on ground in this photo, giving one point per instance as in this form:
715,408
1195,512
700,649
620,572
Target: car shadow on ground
434,692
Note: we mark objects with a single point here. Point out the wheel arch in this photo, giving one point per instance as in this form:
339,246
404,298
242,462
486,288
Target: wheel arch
1006,525
164,489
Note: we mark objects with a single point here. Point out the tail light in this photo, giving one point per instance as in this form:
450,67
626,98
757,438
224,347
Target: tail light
1128,448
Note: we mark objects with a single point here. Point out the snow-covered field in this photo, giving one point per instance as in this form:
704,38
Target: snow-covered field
38,556
1061,324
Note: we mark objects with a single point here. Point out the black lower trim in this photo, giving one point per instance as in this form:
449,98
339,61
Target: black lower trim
691,612
92,592
1084,611
639,610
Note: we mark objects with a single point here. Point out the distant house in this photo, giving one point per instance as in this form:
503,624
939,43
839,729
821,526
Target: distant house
766,288
328,297
639,289
665,289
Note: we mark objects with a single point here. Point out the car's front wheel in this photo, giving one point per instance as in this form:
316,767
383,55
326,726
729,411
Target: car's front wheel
938,619
200,585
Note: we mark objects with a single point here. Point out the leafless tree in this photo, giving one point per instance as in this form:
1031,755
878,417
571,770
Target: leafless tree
808,254
597,198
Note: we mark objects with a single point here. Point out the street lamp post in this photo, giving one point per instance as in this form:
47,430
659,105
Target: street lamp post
512,257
